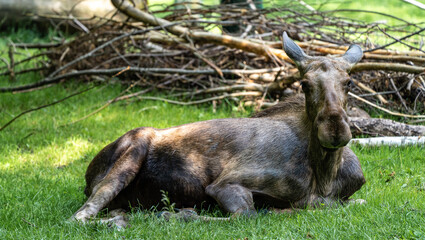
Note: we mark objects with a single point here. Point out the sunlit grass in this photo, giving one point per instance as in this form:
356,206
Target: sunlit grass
43,161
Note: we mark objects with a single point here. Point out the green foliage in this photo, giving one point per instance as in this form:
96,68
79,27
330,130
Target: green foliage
168,206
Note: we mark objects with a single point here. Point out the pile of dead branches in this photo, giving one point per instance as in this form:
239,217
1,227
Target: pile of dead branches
188,55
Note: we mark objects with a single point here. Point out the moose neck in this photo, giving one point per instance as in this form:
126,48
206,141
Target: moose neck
324,162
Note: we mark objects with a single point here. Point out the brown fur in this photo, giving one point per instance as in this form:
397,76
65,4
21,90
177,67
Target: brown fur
290,155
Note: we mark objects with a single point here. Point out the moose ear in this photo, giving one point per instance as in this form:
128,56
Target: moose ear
294,52
353,55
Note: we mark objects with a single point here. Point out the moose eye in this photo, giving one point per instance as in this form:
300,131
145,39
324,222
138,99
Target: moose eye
305,86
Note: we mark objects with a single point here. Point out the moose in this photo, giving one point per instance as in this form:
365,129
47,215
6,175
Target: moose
290,156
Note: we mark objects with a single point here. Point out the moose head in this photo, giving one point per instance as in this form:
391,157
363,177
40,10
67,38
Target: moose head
325,83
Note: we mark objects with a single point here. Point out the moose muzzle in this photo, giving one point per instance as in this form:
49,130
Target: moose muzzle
333,128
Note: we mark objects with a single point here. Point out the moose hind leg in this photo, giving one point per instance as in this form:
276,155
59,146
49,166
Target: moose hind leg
120,175
234,198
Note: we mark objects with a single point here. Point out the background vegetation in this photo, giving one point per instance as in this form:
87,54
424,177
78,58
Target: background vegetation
43,158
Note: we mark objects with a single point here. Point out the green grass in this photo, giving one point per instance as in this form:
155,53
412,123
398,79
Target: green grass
42,166
397,8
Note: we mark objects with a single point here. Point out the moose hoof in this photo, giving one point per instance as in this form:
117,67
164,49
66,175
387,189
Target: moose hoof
79,217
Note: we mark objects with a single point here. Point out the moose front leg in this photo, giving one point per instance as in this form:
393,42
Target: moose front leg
233,198
120,175
349,178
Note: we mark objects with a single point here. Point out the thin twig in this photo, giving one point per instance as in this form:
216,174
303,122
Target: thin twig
29,58
12,64
44,106
38,45
376,93
398,94
384,109
107,103
400,40
89,54
225,95
397,40
29,223
366,88
133,69
22,71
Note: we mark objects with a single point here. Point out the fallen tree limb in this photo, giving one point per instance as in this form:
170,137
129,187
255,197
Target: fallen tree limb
373,126
274,86
384,127
394,67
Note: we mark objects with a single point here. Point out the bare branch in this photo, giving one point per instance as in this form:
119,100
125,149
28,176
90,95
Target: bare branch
132,69
43,106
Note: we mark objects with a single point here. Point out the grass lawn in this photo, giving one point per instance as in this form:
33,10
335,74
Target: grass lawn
42,168
43,160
